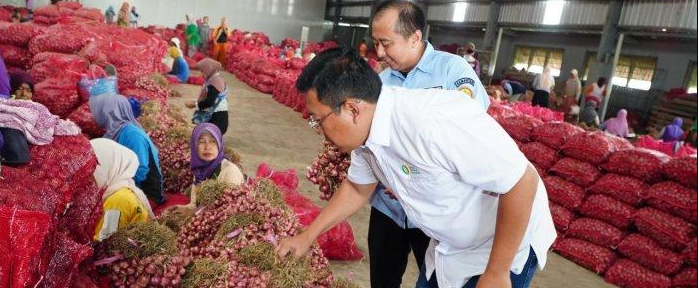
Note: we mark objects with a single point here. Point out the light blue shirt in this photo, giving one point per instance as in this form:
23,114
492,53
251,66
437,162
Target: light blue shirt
435,70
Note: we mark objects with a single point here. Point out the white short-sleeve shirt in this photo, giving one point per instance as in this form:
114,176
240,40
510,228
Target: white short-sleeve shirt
448,162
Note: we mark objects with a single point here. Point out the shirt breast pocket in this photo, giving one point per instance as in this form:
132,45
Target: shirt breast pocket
437,189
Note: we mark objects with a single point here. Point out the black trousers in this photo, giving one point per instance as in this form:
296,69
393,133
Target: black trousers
220,119
389,247
541,98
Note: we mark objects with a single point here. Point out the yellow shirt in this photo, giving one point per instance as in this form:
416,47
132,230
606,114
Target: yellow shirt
120,209
174,52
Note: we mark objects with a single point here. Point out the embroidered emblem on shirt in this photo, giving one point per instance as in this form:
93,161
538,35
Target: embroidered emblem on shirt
463,81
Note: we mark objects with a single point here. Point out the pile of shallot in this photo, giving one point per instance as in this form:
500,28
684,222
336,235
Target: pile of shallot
329,170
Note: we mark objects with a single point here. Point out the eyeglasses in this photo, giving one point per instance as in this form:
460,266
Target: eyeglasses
315,123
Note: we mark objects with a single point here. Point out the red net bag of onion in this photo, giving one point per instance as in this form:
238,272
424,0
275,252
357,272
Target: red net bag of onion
554,134
564,193
640,163
609,210
520,127
594,147
690,253
628,274
687,278
561,216
675,199
669,231
544,156
596,232
575,171
590,256
648,253
629,190
683,170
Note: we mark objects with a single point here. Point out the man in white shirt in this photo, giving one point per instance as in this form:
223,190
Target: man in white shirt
459,177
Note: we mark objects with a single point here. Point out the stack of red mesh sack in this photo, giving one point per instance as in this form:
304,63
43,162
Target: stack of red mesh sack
48,212
14,43
338,243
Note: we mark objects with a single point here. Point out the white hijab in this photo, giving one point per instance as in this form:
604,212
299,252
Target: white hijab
116,168
547,82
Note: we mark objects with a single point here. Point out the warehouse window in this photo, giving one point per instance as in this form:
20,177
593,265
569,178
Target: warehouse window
459,12
632,71
534,59
692,78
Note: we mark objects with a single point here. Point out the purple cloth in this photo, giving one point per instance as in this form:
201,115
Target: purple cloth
619,125
37,123
112,112
4,81
673,132
202,169
19,78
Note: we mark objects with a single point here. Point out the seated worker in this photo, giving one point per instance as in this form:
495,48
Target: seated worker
114,113
672,132
208,161
21,85
123,202
515,89
15,149
180,68
618,125
589,116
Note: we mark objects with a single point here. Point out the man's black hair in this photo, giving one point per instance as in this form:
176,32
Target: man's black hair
411,16
337,74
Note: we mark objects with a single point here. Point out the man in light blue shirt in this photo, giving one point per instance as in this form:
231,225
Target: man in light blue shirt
397,34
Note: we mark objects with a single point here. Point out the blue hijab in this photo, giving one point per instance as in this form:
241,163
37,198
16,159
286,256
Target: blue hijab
112,112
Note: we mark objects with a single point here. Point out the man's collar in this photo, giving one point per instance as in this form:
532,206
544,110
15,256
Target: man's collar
381,125
425,64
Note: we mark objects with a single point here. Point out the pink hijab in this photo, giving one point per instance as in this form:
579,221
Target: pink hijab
619,125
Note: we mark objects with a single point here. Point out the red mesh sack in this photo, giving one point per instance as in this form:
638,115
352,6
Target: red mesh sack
628,274
592,147
83,118
5,247
683,170
47,11
687,278
19,34
669,231
648,253
689,254
59,96
91,14
69,5
63,38
36,195
540,154
561,216
520,127
640,163
564,193
15,56
541,172
577,172
63,268
81,218
596,232
629,190
29,241
608,210
587,255
675,199
555,134
501,112
66,67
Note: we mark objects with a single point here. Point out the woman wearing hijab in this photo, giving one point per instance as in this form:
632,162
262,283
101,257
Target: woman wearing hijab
617,126
180,68
589,116
133,18
220,41
124,19
673,132
109,15
208,161
214,95
114,113
4,81
542,86
193,40
21,85
123,202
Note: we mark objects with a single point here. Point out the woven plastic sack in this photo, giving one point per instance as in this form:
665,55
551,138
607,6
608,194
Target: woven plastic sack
15,56
562,218
640,163
648,253
628,274
629,190
683,170
687,278
689,254
593,147
608,210
63,268
540,154
338,243
19,34
596,232
520,127
59,96
555,134
83,118
669,231
29,242
66,67
674,198
577,172
564,193
590,256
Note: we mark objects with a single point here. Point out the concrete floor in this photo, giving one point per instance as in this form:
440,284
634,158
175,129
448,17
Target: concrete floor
262,130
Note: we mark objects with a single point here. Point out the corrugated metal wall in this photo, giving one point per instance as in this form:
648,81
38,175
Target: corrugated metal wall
474,13
522,13
679,14
578,13
356,11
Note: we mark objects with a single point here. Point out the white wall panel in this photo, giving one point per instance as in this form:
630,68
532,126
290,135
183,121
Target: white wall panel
277,18
475,12
659,13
